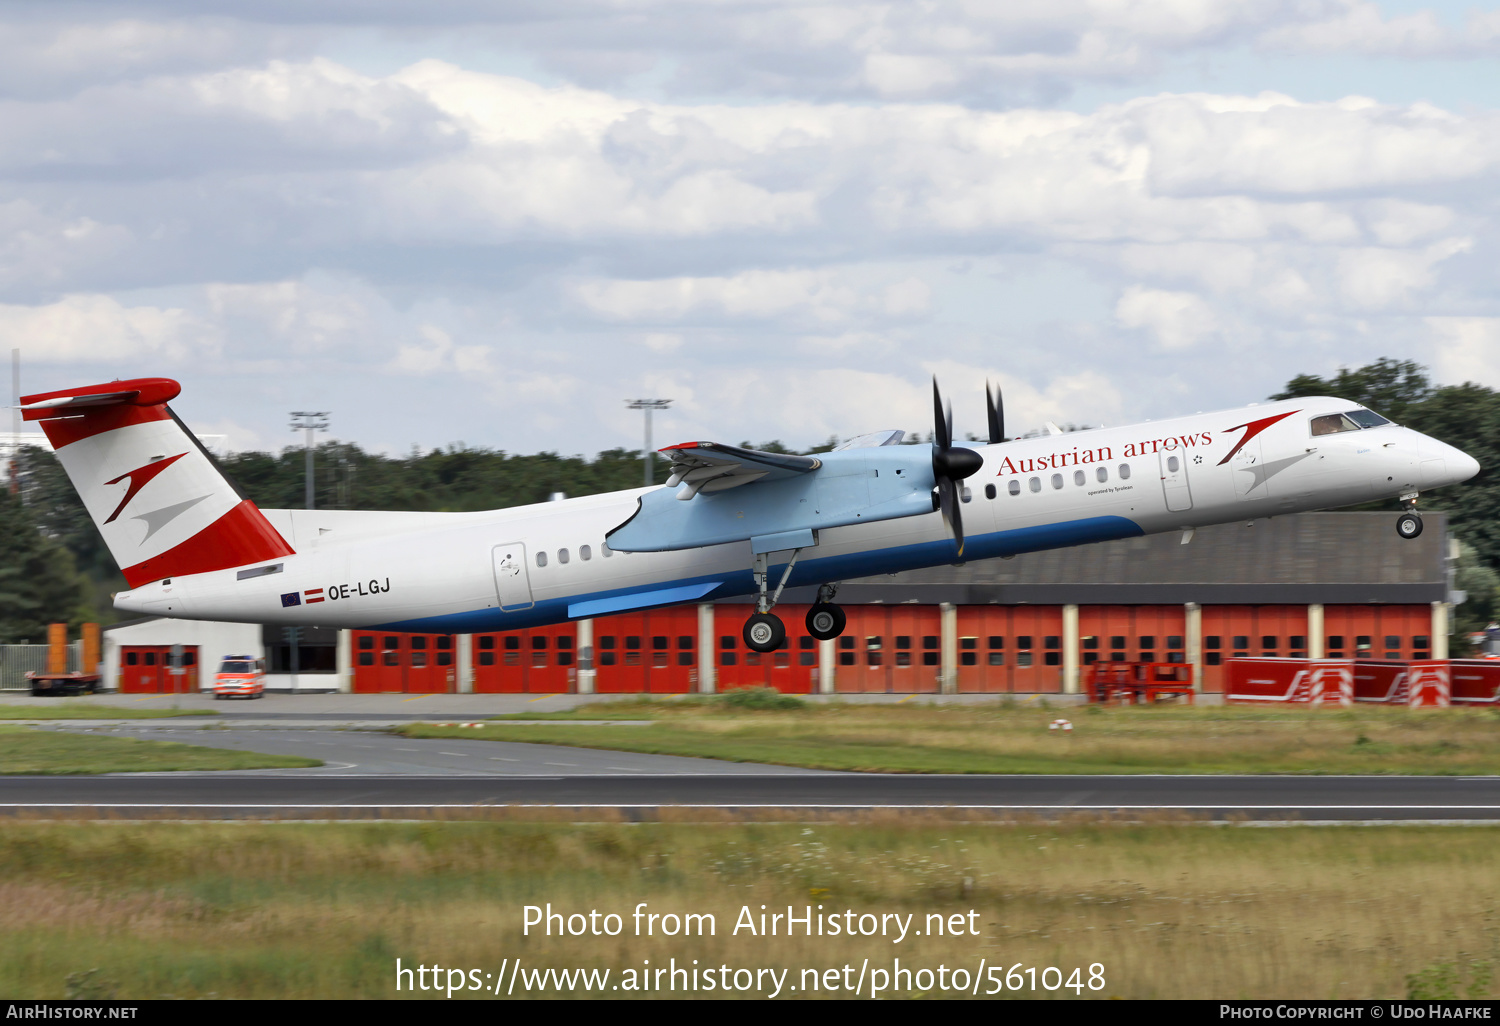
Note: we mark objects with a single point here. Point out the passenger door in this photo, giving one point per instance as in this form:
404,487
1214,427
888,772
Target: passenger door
512,583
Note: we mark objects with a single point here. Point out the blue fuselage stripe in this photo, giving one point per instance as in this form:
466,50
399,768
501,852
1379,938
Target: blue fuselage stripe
808,571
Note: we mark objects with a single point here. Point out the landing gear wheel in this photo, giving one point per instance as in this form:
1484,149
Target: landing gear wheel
825,621
1408,525
764,632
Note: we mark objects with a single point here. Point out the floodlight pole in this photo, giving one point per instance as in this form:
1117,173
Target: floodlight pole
309,421
646,456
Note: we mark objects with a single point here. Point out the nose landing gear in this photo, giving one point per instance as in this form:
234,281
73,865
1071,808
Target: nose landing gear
1409,524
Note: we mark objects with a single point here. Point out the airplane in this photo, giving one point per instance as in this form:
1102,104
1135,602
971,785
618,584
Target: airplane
729,521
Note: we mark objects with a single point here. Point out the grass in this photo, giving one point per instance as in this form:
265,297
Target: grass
89,711
997,738
1170,910
27,751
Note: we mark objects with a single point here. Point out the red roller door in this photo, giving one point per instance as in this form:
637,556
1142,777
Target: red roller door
1010,649
889,649
793,668
398,663
143,670
654,652
1244,632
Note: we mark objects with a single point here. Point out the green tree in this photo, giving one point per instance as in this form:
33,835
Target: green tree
38,582
1389,387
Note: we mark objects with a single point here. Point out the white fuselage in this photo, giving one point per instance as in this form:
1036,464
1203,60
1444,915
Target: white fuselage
469,572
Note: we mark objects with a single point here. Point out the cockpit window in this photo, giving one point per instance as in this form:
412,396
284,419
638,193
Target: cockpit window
1332,424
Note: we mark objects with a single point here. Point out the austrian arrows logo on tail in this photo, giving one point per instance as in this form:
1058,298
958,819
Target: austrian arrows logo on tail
139,478
1254,428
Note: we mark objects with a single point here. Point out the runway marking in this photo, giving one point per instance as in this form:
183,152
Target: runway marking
540,697
714,805
501,758
461,755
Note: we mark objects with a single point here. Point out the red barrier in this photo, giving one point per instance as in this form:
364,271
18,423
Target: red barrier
1380,682
1430,683
1475,681
1300,681
1137,683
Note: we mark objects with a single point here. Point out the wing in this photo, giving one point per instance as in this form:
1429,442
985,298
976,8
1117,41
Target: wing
714,467
873,440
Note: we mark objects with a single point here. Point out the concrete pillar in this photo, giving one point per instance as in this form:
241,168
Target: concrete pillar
828,657
344,661
948,629
708,669
1192,625
463,657
1317,636
1070,649
1440,630
585,643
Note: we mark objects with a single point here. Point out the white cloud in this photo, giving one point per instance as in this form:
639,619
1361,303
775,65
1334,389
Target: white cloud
1178,320
1466,349
438,353
819,296
83,329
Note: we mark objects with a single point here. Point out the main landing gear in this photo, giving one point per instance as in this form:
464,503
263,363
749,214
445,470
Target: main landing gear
1409,524
765,632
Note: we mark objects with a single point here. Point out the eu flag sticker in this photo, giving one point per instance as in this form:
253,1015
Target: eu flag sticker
291,598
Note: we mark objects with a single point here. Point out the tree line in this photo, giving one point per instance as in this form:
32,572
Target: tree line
54,566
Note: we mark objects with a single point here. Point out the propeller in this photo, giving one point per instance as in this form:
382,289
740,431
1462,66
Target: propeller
950,465
995,406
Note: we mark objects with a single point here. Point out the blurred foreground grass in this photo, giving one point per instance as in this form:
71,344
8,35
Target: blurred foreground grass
91,711
26,750
1171,909
1000,738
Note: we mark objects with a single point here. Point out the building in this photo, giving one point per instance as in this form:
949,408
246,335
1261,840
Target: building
1304,586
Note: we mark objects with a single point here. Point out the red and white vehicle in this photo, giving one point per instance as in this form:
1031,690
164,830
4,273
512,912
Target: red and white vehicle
240,676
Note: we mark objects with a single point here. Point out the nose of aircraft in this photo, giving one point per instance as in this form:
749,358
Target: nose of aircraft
1445,464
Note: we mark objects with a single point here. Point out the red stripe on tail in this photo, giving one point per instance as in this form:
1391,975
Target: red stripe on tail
240,536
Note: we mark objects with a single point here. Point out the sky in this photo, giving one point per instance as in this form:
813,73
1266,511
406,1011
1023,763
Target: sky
463,222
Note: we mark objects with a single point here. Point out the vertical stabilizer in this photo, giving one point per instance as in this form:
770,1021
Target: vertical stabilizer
162,506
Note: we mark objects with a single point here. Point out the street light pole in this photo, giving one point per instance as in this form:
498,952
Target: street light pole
648,405
309,421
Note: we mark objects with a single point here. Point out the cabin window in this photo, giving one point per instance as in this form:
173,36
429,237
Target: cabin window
1332,424
585,553
1101,474
1057,481
562,555
1035,484
989,491
1173,464
1124,471
1080,478
1014,487
606,550
966,495
541,559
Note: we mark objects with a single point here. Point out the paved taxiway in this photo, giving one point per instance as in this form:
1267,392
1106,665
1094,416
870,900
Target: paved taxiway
369,772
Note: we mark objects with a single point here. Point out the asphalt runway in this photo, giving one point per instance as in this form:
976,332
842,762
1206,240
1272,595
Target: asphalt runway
369,773
375,753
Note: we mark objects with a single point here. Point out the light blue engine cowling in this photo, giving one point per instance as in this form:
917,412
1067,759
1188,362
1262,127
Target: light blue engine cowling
858,486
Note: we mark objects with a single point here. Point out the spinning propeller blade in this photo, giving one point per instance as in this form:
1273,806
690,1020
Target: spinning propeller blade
950,465
995,407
